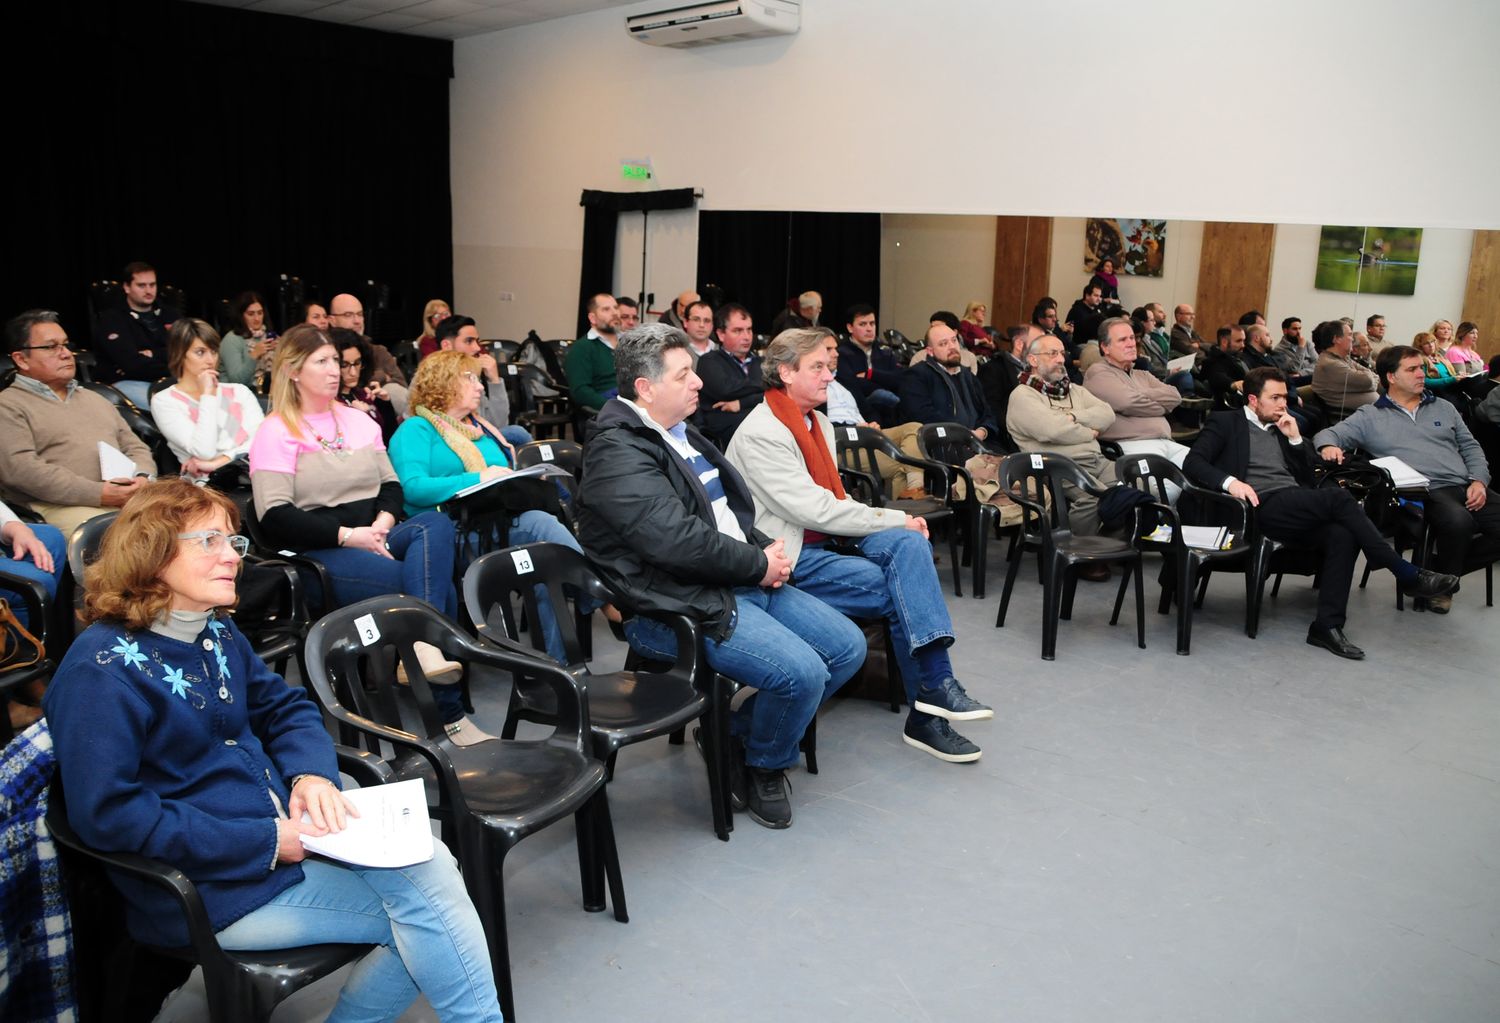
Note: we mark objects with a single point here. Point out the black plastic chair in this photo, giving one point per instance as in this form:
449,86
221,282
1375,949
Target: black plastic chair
240,986
490,795
1029,476
565,454
1184,563
857,447
953,444
545,415
625,707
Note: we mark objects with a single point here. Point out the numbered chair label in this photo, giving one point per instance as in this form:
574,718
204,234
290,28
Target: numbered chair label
546,451
1036,461
511,370
942,432
367,629
523,562
853,433
1145,469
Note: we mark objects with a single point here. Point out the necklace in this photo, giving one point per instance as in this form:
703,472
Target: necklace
338,447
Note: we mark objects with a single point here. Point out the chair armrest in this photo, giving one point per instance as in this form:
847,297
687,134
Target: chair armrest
34,596
363,766
689,661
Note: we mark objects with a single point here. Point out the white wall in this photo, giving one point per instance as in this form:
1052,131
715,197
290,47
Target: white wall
1441,275
1177,283
930,262
901,107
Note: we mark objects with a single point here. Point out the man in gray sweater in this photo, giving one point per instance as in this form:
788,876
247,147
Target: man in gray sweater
50,431
1427,433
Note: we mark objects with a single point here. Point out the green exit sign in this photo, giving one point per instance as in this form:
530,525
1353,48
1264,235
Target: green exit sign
635,170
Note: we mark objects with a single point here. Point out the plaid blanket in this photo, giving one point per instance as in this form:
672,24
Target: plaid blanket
36,938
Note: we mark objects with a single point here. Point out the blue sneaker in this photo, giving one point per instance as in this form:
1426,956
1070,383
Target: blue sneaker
936,736
948,700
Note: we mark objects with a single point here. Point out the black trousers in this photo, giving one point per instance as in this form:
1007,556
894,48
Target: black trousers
1455,526
1331,519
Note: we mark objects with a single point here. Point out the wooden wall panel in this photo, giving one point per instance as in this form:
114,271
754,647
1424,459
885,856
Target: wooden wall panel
1023,257
1482,297
1234,273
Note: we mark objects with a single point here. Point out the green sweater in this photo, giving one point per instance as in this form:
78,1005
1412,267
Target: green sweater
591,372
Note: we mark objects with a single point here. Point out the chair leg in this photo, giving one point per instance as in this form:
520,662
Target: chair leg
1202,589
1366,577
485,878
1051,599
1185,583
1276,587
982,546
1140,606
895,682
1017,554
609,767
809,745
608,854
1114,618
953,556
590,870
1070,588
675,739
512,711
714,752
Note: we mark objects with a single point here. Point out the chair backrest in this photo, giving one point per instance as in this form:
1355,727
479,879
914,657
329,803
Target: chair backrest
857,446
1029,474
565,454
494,582
83,545
949,443
1150,473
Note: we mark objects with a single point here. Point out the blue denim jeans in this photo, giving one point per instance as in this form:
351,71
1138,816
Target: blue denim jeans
421,564
57,546
793,648
517,435
138,391
426,933
895,580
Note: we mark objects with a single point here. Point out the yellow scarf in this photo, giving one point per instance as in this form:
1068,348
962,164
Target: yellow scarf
459,437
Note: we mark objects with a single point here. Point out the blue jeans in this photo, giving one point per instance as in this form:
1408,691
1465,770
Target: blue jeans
517,435
426,933
542,527
895,580
422,549
793,648
138,391
57,546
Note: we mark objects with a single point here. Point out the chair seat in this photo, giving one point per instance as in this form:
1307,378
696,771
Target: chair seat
921,507
624,708
506,779
1086,547
288,969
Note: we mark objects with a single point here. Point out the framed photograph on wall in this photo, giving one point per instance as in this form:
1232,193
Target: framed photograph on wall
1136,246
1368,260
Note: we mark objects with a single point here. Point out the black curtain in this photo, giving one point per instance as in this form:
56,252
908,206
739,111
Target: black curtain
762,259
226,148
601,212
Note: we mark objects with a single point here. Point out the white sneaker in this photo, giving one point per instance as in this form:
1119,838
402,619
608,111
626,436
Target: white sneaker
439,670
464,732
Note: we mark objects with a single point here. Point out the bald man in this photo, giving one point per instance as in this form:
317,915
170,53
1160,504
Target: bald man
348,312
675,315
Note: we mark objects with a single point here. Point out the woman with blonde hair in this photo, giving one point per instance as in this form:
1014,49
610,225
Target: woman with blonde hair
324,487
177,742
445,446
433,313
1437,369
971,329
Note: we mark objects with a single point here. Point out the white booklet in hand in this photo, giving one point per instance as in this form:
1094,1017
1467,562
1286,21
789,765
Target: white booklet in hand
114,464
392,829
1181,364
1402,475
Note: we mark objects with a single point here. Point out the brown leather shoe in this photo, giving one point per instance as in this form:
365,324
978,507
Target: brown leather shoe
1095,573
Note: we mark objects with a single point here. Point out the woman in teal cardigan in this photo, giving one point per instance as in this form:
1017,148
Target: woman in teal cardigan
444,446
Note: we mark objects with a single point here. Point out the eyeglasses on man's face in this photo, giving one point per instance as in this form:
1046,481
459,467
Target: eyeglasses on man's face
48,348
211,541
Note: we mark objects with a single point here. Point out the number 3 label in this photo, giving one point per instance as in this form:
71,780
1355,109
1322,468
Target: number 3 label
368,632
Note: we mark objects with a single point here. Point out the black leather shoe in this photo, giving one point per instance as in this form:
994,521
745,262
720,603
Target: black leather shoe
1335,642
1430,584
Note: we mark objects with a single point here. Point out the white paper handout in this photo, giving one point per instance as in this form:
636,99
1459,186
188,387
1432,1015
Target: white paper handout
534,472
114,464
392,829
1403,475
1181,364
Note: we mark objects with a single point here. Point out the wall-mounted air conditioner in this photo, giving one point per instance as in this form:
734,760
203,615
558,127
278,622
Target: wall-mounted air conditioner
722,22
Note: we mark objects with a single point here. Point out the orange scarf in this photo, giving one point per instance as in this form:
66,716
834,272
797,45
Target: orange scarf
810,441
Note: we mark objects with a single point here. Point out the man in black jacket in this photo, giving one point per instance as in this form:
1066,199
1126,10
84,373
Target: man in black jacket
867,368
998,376
939,390
1222,369
670,525
731,374
1258,455
130,343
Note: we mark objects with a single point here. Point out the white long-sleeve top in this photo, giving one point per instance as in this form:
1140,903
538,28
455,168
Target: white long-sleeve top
207,428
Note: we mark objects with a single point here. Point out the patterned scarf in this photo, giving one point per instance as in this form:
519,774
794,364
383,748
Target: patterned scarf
810,441
459,436
1058,390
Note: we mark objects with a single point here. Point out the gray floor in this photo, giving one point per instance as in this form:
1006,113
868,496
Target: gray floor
1260,831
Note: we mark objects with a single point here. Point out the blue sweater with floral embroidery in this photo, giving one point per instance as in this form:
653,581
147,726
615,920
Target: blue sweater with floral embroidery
173,750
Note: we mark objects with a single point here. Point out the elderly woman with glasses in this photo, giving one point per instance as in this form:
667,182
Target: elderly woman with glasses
324,487
176,741
207,421
445,446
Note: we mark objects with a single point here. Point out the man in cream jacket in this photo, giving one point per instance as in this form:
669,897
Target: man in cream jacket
866,562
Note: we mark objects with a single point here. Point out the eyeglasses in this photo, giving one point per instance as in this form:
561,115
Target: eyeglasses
212,541
352,365
48,348
470,377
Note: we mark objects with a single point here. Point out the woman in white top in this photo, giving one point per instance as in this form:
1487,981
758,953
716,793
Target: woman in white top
206,423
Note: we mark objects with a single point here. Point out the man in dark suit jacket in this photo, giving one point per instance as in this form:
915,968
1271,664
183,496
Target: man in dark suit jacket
130,342
1258,455
939,390
868,369
731,374
998,376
